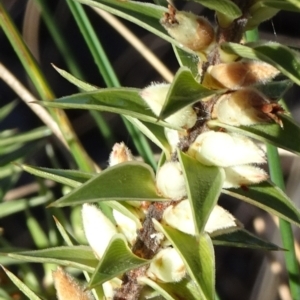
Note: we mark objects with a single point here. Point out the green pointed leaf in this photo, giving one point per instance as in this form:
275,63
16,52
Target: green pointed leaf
267,196
21,286
146,15
281,57
184,90
287,137
184,289
11,207
188,60
77,82
204,185
290,5
7,109
198,256
72,178
26,137
260,13
226,7
244,239
119,182
124,101
155,133
274,89
79,257
116,260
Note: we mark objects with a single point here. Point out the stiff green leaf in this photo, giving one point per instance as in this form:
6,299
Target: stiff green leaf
260,13
226,7
116,260
244,239
7,109
72,178
155,133
184,90
126,181
204,185
21,286
198,256
11,207
188,60
184,289
124,101
280,56
79,257
145,15
77,82
290,5
287,137
26,137
270,198
274,89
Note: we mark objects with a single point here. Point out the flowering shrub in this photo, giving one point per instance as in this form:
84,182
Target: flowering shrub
157,234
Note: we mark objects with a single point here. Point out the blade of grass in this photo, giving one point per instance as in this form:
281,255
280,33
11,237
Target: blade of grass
285,227
108,74
42,87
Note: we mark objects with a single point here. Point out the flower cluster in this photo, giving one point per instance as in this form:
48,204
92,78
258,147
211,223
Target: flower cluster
241,104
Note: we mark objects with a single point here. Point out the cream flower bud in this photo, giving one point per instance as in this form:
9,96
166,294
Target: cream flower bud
238,176
167,266
109,288
225,150
120,153
192,31
126,226
155,96
179,216
170,181
242,107
172,137
220,221
235,75
98,229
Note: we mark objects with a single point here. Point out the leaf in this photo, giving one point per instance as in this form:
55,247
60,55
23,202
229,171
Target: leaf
72,178
244,239
145,15
281,57
116,260
21,286
77,82
259,13
184,289
267,196
188,60
127,181
7,109
184,90
274,89
155,133
31,135
290,5
11,207
198,256
226,7
287,137
124,101
79,257
204,185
